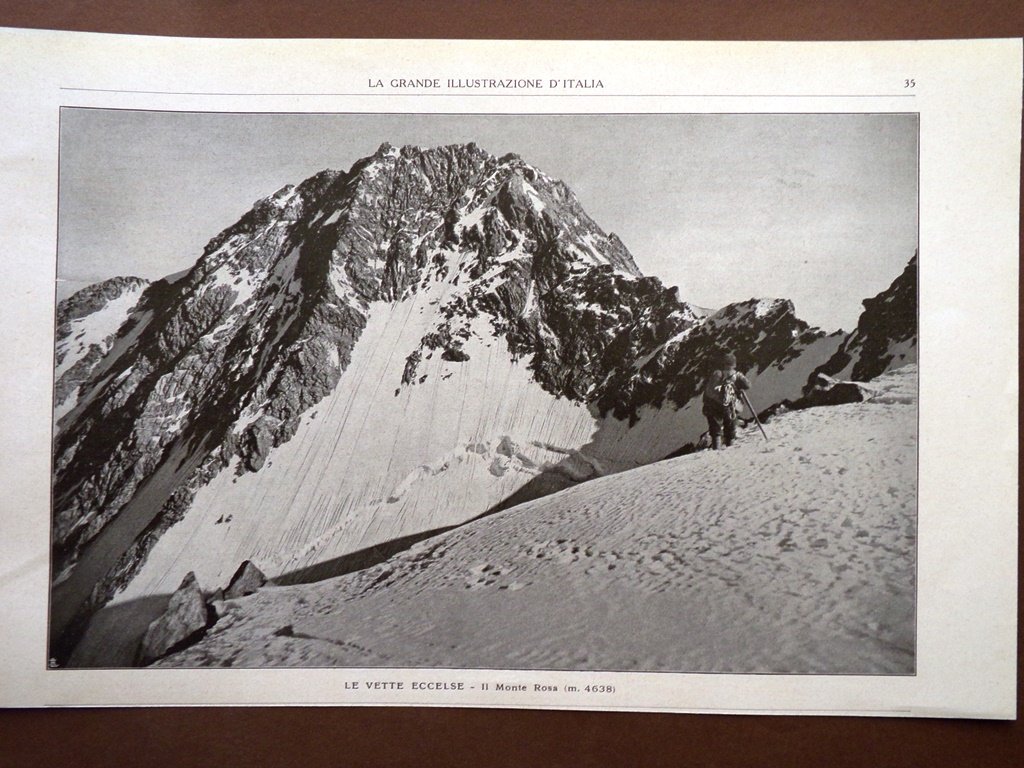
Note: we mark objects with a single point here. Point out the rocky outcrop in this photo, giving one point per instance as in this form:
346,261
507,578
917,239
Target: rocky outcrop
824,390
765,335
247,579
183,623
886,335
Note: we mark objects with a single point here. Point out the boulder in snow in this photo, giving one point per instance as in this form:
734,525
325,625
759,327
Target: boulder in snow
821,389
184,622
247,579
836,393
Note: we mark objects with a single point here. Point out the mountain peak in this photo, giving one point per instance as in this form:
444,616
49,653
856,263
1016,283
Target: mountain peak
91,298
408,151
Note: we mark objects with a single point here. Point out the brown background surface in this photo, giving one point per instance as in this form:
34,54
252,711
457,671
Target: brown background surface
312,737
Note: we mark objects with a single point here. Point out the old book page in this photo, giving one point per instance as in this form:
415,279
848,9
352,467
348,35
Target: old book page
650,376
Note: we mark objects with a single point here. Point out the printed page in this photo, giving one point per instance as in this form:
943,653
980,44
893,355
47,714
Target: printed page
627,376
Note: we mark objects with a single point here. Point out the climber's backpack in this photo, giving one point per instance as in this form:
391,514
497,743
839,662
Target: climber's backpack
721,388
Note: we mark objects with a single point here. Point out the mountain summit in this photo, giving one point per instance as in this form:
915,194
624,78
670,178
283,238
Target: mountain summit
366,356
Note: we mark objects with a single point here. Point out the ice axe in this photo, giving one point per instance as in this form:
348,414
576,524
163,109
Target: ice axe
754,414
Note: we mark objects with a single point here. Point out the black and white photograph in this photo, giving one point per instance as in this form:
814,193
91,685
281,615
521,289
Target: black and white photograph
611,392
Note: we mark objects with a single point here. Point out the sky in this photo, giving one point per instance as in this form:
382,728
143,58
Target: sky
817,208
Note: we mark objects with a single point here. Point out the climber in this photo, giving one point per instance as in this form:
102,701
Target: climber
721,398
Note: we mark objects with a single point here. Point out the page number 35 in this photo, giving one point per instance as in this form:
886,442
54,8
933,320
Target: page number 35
909,83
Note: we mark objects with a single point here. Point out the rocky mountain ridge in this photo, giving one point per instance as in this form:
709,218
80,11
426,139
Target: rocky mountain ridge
87,323
886,333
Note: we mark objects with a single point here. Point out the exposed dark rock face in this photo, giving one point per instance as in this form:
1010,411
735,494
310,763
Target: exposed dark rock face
247,579
216,366
85,332
822,390
886,335
763,335
184,622
839,393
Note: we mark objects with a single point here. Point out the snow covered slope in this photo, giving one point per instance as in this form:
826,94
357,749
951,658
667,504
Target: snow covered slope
367,466
794,556
374,461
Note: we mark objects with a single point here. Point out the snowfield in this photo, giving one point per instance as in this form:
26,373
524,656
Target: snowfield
792,556
374,461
